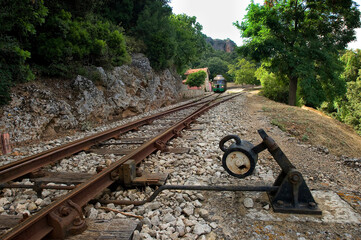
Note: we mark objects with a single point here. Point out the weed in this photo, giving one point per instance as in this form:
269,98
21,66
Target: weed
305,138
277,123
265,109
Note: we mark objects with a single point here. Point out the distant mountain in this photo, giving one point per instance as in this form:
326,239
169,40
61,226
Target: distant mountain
223,45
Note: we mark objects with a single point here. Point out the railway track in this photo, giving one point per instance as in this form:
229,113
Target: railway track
64,216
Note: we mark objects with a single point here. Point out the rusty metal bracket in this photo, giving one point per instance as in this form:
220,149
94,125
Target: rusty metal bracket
176,132
293,195
66,220
127,176
160,145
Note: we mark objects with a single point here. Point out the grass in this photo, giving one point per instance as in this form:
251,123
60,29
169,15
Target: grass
278,123
307,124
305,138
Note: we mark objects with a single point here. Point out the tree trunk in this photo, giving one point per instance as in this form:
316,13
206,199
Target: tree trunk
292,91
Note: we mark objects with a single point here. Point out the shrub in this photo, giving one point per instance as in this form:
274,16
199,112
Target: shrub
273,87
88,41
196,79
13,67
243,72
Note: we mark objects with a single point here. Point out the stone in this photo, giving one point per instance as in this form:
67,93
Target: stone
174,236
155,221
203,213
3,201
136,235
20,208
93,213
146,221
45,193
168,218
211,236
39,201
152,206
32,206
189,223
145,236
200,229
200,196
248,203
188,210
180,227
213,225
202,237
164,226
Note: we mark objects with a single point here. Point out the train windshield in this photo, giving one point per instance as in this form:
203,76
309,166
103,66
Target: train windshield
219,82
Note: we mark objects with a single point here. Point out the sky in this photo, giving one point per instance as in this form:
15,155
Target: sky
217,17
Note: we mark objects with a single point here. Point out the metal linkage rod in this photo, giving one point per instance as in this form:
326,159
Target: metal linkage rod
193,188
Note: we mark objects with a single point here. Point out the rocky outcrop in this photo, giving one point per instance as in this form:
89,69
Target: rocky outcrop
47,107
222,45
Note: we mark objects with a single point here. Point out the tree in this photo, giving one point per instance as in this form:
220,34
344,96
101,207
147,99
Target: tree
19,20
273,87
196,79
301,39
352,61
189,38
243,72
216,66
154,28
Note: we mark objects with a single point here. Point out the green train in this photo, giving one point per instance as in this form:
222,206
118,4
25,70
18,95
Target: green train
219,84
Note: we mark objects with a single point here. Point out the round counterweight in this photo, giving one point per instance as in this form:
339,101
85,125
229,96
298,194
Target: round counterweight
238,162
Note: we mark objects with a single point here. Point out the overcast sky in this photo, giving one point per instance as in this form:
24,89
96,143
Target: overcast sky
217,17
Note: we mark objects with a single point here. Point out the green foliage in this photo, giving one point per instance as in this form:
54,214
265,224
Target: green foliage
134,45
353,104
273,87
196,79
154,28
189,38
305,137
84,40
62,38
301,39
352,61
217,66
348,107
279,124
18,23
217,62
243,72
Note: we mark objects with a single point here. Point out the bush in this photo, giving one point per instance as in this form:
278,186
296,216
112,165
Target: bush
243,72
196,79
88,41
13,67
352,106
273,87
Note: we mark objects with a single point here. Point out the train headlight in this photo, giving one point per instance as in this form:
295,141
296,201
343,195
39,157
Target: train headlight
222,86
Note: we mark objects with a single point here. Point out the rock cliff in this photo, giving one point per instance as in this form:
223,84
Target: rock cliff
43,108
222,45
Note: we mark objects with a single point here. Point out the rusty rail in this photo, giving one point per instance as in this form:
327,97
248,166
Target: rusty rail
64,216
32,163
